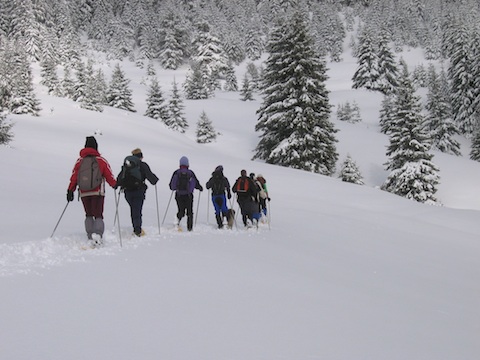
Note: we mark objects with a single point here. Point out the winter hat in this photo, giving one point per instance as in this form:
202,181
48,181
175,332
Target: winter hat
219,168
137,152
184,161
252,175
91,143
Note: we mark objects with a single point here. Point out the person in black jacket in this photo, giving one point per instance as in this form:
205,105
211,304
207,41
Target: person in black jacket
246,192
220,185
135,195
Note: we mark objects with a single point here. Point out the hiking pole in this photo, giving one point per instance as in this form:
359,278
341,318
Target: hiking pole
198,204
268,216
208,207
158,213
117,217
168,205
58,222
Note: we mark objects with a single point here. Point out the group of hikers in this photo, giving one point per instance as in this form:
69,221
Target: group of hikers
91,171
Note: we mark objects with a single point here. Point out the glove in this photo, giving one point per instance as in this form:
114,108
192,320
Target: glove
229,196
268,199
200,188
69,195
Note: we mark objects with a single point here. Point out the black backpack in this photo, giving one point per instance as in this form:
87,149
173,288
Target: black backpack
218,185
89,175
183,180
131,176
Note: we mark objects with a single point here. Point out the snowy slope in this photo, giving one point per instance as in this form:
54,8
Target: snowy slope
344,271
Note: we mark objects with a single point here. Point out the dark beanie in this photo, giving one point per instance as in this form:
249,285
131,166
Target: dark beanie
91,143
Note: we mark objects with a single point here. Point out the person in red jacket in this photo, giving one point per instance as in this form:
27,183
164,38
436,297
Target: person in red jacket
92,199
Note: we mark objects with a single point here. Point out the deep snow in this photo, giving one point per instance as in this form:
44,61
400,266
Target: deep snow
344,271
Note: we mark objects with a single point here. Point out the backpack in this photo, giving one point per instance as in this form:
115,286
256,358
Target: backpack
183,180
218,186
242,185
131,177
89,174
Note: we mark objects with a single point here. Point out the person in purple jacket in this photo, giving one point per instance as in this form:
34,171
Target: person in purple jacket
184,182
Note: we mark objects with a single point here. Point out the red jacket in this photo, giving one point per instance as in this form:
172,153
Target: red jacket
104,168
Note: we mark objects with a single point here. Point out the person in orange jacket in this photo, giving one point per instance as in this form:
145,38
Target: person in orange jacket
92,199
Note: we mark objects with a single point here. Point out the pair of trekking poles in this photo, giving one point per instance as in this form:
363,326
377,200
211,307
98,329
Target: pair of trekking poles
117,217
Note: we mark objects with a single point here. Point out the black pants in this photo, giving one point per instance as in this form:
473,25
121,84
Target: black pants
135,199
185,206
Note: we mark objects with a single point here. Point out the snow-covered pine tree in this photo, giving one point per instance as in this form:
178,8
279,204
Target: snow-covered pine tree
294,117
350,172
461,76
438,121
195,85
246,93
367,74
23,99
92,99
475,147
231,83
177,120
173,34
413,175
6,134
49,76
67,83
349,112
205,130
80,82
387,66
156,106
387,111
119,94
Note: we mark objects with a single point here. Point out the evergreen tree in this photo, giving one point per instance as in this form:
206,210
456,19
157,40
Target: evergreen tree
387,66
196,83
156,107
367,74
413,175
386,114
349,112
68,85
80,83
475,148
231,83
49,77
461,76
91,99
5,130
246,92
177,120
174,41
119,94
205,131
294,116
438,121
350,172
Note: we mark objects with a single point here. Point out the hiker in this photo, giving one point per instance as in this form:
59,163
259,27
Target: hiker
263,194
89,173
256,207
132,181
245,190
184,182
219,185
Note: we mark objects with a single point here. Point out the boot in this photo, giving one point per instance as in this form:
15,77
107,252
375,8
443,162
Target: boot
219,221
190,223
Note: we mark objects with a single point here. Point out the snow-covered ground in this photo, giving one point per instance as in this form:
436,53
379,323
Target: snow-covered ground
343,271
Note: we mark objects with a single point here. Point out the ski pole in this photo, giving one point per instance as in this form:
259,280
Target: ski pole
268,214
158,213
168,205
198,204
58,222
208,207
117,217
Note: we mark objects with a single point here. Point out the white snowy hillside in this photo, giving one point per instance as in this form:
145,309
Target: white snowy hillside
342,272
